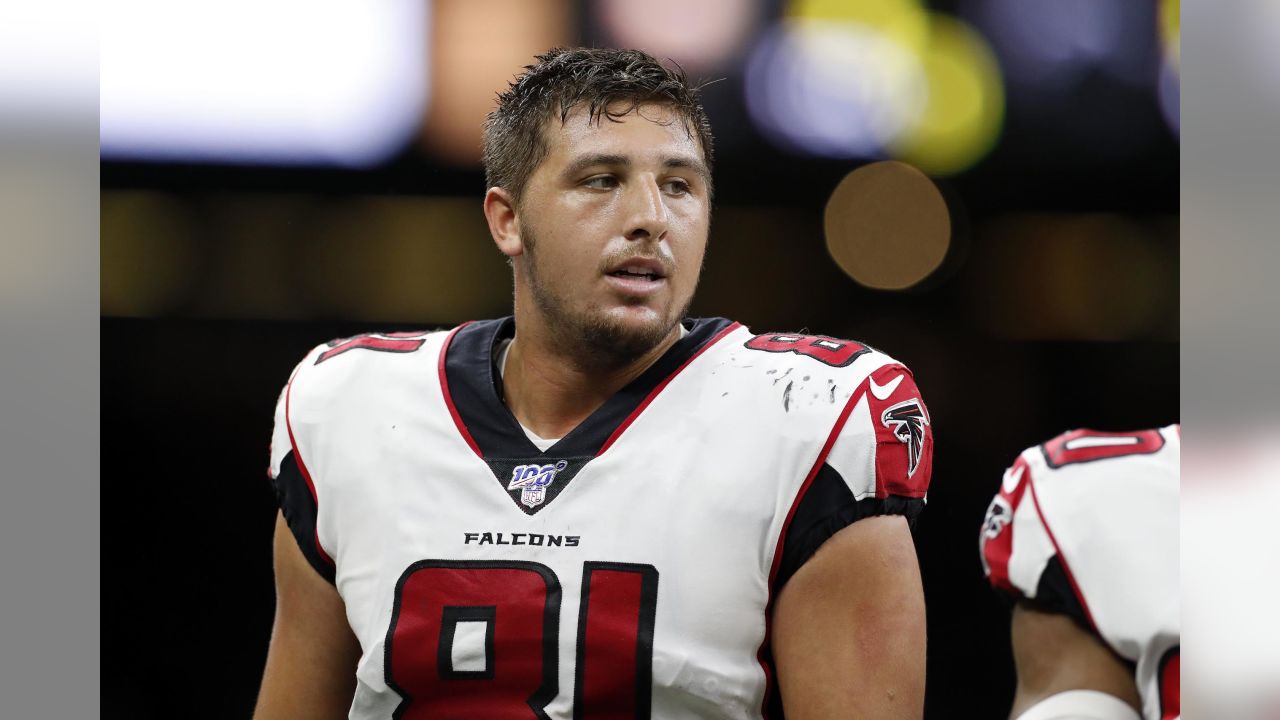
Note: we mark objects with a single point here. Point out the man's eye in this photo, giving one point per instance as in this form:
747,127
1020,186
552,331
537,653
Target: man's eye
676,187
601,182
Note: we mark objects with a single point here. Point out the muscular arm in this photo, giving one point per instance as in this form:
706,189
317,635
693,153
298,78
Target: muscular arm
1054,655
849,627
311,662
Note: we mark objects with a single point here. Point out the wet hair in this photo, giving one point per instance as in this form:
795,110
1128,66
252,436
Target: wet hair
608,83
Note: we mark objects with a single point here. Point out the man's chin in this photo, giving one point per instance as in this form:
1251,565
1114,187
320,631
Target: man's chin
627,333
640,319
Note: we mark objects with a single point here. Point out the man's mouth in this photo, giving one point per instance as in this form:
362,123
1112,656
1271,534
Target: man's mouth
650,269
637,275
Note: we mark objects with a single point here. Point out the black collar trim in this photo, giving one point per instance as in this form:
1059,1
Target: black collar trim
472,390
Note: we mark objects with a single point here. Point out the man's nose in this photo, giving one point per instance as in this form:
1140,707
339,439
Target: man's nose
647,216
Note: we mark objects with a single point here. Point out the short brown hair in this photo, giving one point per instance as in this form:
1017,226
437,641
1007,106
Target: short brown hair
564,78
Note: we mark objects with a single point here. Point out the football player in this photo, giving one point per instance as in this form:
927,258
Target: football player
598,508
1083,536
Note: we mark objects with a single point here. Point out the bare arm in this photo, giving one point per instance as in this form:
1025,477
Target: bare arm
849,627
312,659
1054,655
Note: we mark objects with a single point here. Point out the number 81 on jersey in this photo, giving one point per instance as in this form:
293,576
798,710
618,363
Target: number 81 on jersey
480,639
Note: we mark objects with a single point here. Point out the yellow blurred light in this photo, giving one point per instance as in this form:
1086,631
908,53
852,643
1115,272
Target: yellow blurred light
1075,277
1171,31
479,48
148,259
903,21
887,225
406,259
965,108
252,238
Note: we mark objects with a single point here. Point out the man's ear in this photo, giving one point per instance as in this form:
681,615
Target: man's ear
504,225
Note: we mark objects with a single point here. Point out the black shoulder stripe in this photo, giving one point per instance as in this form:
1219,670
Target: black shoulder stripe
1054,594
828,506
299,507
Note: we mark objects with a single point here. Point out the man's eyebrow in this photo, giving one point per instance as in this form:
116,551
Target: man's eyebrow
685,161
579,165
591,160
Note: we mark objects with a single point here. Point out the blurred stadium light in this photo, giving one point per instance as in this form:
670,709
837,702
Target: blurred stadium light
877,79
1082,76
1076,277
887,226
961,120
408,259
366,258
1048,44
1170,90
467,74
149,254
1171,58
832,89
701,37
1171,31
903,21
284,82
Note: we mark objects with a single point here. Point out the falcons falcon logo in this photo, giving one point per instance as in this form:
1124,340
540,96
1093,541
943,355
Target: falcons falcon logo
908,421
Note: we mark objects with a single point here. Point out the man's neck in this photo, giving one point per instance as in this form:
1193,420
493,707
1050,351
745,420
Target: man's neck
551,393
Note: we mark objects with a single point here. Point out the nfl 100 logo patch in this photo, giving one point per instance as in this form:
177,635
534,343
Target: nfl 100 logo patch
532,481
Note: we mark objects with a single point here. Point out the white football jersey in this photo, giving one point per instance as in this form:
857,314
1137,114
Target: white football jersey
627,571
1087,525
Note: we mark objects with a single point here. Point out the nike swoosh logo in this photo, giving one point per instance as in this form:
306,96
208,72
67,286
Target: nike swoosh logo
882,392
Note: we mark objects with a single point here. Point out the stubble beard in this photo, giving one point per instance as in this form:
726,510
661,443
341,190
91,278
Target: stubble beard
595,340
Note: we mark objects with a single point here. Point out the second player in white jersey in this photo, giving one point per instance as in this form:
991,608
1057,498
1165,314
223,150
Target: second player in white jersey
1086,526
626,571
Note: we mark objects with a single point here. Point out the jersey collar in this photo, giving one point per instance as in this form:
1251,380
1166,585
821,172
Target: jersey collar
474,387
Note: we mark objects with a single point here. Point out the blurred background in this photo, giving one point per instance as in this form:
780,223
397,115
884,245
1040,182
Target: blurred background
985,189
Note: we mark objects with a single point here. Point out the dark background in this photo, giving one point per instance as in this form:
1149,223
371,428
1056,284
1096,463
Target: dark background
189,384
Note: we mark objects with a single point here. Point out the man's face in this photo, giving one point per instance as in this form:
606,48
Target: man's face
614,224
